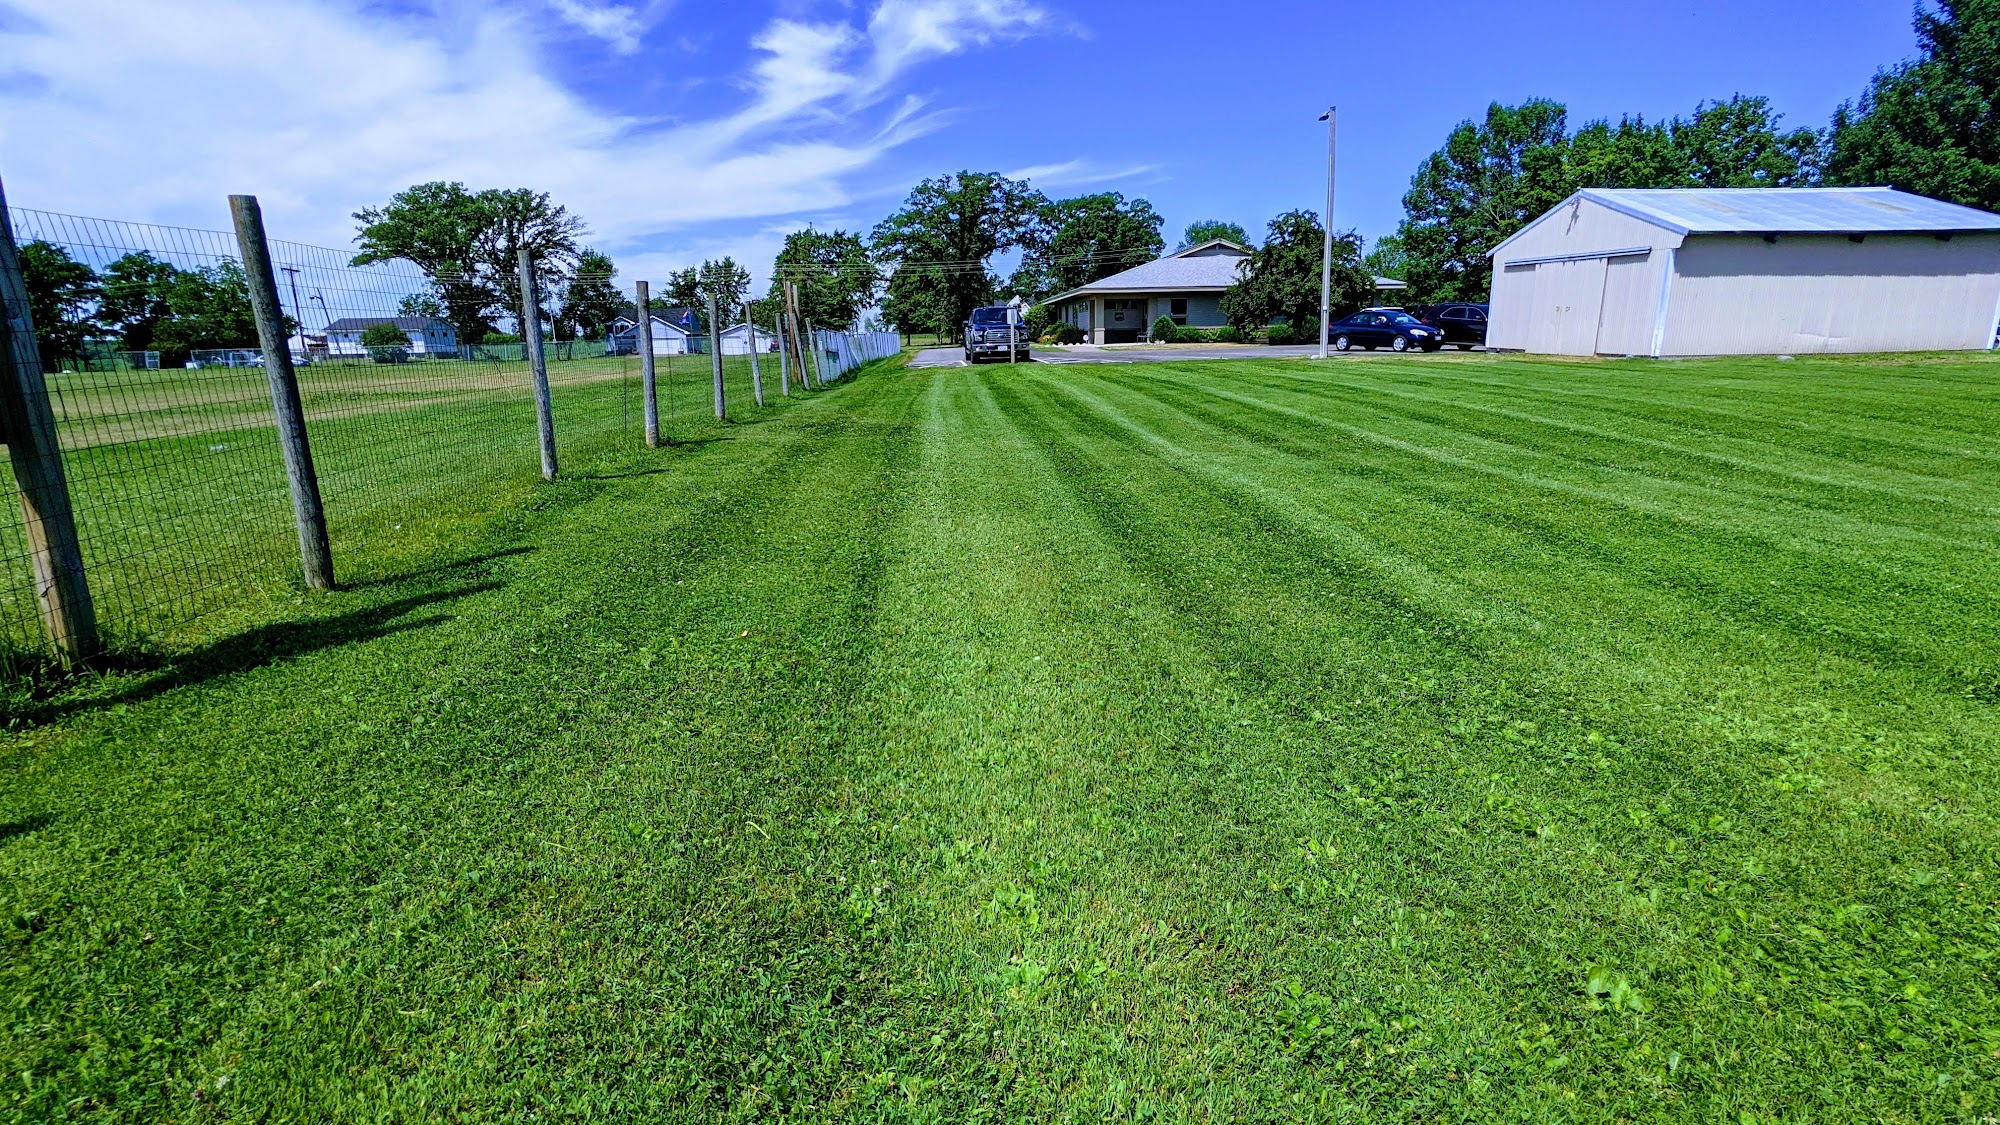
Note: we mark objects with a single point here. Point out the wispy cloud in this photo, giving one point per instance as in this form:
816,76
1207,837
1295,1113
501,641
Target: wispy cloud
1079,173
156,111
617,24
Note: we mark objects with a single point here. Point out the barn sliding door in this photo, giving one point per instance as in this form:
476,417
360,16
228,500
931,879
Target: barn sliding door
1569,296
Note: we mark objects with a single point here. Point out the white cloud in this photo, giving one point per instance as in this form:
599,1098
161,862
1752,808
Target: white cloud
157,111
616,24
906,32
1078,173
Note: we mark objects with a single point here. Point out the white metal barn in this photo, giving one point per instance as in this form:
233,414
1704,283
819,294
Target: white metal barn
1748,271
736,339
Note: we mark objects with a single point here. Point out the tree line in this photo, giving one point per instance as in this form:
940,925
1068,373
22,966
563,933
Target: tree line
1927,125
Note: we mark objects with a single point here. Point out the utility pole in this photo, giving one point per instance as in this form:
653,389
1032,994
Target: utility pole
298,313
1326,255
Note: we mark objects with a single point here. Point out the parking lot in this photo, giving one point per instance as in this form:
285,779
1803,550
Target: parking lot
1090,353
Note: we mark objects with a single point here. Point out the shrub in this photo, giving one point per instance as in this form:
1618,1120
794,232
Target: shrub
1308,332
1068,334
500,338
1165,331
389,355
1037,320
1279,334
1195,336
1229,334
384,336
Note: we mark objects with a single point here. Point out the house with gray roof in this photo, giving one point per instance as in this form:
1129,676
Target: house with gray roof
1747,271
428,335
1185,287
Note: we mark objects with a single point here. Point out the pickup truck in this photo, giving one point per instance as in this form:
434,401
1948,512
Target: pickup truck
987,336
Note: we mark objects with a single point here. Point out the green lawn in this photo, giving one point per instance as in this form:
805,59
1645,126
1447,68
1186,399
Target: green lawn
1428,738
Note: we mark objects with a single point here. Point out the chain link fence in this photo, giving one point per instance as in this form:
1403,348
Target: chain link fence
173,461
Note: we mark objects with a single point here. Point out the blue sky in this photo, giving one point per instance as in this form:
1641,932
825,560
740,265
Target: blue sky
682,130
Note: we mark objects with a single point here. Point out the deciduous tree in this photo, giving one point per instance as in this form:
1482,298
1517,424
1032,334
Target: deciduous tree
940,242
1280,279
1932,124
1208,230
1087,238
835,276
61,295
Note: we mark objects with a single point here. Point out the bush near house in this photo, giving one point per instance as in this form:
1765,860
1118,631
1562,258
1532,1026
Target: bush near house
384,336
1196,335
1229,334
1062,333
1278,334
1165,331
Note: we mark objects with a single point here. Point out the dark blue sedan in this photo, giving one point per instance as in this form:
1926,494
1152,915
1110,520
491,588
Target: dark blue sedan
1384,328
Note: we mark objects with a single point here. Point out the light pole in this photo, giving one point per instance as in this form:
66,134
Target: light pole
1326,254
292,272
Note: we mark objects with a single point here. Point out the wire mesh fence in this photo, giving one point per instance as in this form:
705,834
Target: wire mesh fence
842,352
174,464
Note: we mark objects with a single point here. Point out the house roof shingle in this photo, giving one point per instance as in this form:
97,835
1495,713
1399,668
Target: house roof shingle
406,323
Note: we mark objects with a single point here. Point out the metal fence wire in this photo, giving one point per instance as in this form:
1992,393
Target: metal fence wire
174,467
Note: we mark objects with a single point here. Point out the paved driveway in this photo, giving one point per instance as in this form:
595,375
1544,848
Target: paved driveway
1084,353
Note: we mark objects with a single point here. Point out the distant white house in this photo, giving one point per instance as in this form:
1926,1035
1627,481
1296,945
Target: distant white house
736,340
428,335
669,338
1186,287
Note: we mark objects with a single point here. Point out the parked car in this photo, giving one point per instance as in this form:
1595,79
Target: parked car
1464,325
1384,328
987,335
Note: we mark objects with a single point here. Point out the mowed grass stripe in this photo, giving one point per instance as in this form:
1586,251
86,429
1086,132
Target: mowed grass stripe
1052,743
1691,776
1822,593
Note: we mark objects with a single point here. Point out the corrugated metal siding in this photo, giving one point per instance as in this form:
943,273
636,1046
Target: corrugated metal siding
1739,295
1520,314
1631,304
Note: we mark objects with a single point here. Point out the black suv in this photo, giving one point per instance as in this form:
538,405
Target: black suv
1464,325
987,335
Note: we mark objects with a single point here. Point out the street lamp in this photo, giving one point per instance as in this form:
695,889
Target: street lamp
1326,254
298,313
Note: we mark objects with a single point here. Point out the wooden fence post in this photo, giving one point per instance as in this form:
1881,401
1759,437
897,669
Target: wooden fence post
784,364
819,376
28,423
315,552
538,365
650,400
715,357
756,376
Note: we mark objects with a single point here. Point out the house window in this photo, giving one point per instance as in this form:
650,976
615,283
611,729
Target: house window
1177,310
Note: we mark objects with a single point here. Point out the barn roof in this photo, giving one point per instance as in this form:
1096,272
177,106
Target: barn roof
406,323
1852,210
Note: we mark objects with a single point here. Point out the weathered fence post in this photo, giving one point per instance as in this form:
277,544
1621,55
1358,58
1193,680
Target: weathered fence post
819,376
715,356
28,424
538,365
756,376
784,365
650,401
315,552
